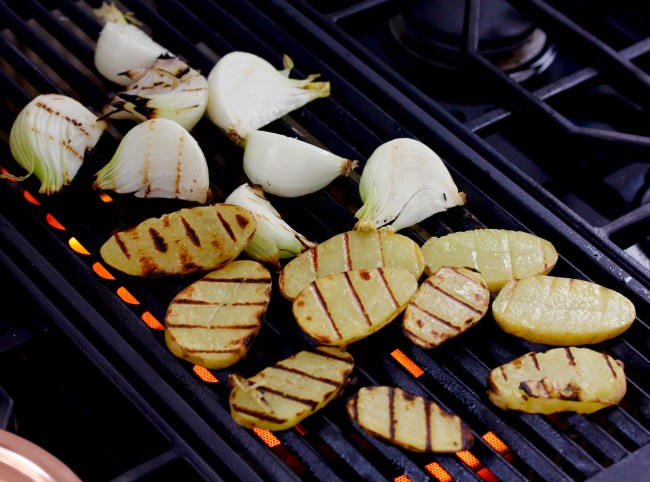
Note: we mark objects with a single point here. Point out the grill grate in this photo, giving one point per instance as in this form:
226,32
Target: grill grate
597,151
48,47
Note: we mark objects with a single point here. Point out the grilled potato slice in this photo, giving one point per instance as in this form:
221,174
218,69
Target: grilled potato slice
351,251
282,395
191,240
407,420
213,321
499,255
345,307
449,302
562,379
561,311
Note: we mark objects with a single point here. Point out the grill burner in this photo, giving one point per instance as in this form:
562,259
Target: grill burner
434,33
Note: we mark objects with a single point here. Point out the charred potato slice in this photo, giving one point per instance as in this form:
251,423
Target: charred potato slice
449,302
562,379
351,251
213,321
561,311
282,395
190,240
499,255
345,307
407,420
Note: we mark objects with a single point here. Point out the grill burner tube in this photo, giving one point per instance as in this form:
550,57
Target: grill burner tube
433,33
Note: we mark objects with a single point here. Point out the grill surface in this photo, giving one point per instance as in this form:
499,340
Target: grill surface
48,47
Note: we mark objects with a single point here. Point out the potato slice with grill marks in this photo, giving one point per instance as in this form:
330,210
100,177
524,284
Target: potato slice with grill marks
351,251
562,379
449,302
499,255
562,311
190,240
213,321
282,395
345,307
409,421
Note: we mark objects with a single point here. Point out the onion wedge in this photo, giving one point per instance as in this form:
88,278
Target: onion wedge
246,93
158,159
50,137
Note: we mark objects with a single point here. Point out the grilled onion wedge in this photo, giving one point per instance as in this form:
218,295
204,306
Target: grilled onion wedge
449,302
190,240
346,307
213,322
350,251
498,254
562,379
409,421
562,311
282,395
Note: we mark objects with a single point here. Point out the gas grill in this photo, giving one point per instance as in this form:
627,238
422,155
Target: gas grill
543,126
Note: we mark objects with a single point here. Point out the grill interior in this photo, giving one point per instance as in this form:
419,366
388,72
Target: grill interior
114,320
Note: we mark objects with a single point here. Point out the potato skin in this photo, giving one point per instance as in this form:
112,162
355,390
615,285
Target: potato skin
409,421
213,321
187,241
561,311
562,379
346,307
280,396
351,251
449,302
498,254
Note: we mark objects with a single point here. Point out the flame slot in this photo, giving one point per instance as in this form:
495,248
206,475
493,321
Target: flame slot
151,321
105,197
52,221
102,272
31,199
267,437
127,297
402,478
78,247
204,374
407,363
435,469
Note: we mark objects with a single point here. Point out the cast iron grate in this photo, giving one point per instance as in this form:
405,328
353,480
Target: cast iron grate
47,47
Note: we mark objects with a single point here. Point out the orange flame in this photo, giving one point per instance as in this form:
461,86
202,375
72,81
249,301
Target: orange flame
105,197
52,221
407,363
267,437
127,297
31,199
102,272
76,245
435,469
204,374
151,321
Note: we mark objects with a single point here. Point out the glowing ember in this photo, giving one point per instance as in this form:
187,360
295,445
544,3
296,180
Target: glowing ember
51,220
76,246
127,297
407,363
267,437
151,321
204,374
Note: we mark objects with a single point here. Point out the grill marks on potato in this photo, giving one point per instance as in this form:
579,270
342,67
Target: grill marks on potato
350,251
282,395
499,255
449,302
192,239
561,311
562,379
213,321
345,307
407,420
